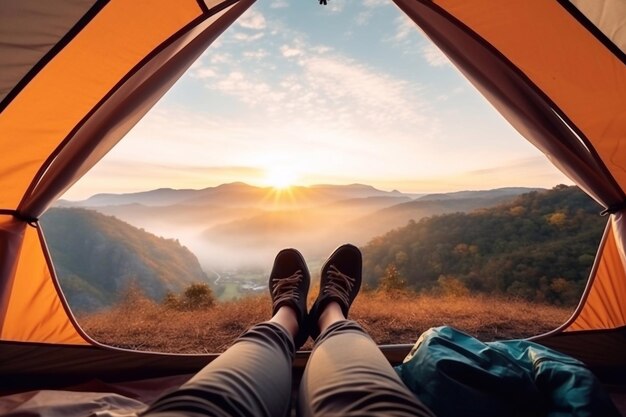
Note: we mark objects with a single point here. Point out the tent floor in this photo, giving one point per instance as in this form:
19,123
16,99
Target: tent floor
86,399
80,399
618,395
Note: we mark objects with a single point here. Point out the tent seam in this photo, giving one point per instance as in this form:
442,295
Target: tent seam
53,52
18,215
203,6
583,299
595,30
121,82
557,109
59,291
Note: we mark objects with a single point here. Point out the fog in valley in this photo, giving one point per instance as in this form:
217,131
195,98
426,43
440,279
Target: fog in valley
235,229
238,226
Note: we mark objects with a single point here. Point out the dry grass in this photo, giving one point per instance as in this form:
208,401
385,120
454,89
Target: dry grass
389,318
402,318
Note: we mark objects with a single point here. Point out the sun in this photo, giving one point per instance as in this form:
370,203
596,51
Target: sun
280,178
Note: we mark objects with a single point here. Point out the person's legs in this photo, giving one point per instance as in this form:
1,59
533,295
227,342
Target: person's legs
253,377
347,375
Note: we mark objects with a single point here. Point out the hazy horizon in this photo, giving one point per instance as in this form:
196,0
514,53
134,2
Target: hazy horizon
270,187
244,225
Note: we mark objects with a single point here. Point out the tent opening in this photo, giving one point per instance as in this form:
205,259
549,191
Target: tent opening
287,133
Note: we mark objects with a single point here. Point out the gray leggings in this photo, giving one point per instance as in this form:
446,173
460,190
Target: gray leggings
346,375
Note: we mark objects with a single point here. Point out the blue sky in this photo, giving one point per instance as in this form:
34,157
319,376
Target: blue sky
344,93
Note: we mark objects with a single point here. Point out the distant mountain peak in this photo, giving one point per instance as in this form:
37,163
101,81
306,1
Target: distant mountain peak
235,184
353,185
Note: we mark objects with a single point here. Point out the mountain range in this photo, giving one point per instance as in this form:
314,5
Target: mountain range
237,224
239,194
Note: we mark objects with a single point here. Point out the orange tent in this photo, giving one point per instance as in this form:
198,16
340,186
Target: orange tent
556,70
75,76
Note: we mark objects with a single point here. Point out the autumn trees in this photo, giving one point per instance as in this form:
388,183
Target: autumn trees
539,247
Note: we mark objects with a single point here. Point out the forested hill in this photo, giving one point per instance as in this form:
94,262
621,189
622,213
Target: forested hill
539,247
98,257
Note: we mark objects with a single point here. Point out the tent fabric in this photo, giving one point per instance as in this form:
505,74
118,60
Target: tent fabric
76,75
34,311
123,109
28,366
607,16
603,291
102,81
559,85
24,47
519,101
583,78
70,404
95,398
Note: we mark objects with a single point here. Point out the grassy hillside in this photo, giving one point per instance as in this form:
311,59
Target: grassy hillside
397,317
538,247
97,257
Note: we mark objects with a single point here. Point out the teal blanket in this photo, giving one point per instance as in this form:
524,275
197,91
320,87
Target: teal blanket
455,374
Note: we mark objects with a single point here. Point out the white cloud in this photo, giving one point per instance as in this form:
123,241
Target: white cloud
336,94
323,86
363,18
291,51
203,72
330,89
245,37
411,40
252,19
321,49
279,4
220,58
404,27
258,54
434,56
346,85
248,89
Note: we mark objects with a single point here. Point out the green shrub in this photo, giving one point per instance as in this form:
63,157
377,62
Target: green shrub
197,296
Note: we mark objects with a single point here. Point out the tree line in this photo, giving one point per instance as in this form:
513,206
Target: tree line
539,247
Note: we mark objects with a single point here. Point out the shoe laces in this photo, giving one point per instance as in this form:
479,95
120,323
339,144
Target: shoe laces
339,284
287,288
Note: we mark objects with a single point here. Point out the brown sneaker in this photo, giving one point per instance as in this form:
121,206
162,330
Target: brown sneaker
340,282
289,285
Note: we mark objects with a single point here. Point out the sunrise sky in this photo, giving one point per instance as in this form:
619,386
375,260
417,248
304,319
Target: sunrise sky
295,92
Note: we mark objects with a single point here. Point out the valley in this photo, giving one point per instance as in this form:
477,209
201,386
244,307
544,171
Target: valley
238,225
